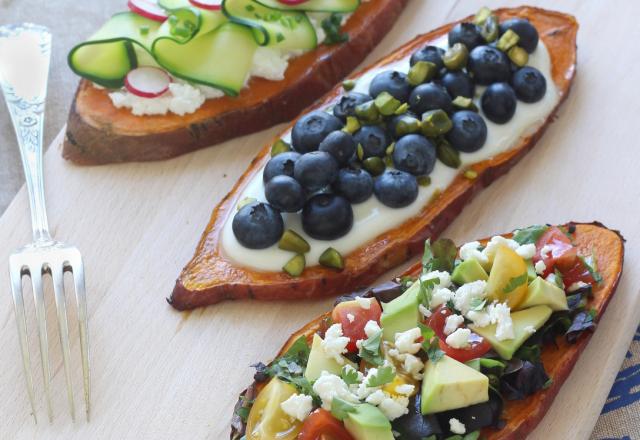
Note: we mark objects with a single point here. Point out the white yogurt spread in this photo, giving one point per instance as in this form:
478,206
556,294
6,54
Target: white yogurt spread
372,218
183,97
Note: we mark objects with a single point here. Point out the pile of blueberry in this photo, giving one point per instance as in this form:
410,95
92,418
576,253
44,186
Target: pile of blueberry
386,143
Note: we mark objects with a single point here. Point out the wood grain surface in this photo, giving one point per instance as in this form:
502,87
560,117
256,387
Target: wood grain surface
161,374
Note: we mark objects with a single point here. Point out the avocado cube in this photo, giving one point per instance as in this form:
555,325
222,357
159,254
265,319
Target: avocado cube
468,271
319,361
449,384
401,314
542,292
368,423
531,270
522,320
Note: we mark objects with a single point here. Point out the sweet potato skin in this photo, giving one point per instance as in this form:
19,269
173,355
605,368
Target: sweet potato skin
209,278
522,416
99,133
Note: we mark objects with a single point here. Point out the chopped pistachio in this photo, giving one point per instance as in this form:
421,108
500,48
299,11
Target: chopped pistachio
404,107
292,241
279,146
246,201
508,40
447,154
455,58
144,30
374,165
464,103
421,72
424,180
482,15
406,125
295,265
471,174
518,56
390,148
352,125
386,104
388,161
360,152
435,123
332,258
348,85
490,29
367,112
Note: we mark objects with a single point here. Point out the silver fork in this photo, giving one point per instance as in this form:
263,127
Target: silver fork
25,52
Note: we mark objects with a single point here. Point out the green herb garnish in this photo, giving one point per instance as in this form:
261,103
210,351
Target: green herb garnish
383,376
430,344
439,256
332,28
340,408
370,349
515,282
349,375
529,235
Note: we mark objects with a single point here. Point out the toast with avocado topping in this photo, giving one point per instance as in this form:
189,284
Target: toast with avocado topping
416,163
473,341
233,67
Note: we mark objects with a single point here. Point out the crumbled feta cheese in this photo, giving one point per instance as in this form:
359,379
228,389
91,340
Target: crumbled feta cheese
479,318
350,317
424,311
526,251
456,426
413,365
364,390
405,389
394,407
529,329
576,286
406,341
471,251
467,293
334,344
444,278
497,241
364,303
328,386
459,338
551,278
452,323
371,328
546,250
500,314
440,296
540,267
298,406
376,398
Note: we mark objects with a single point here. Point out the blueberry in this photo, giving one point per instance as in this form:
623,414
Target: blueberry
488,65
458,83
374,140
393,82
429,96
467,34
316,170
525,30
311,129
499,103
469,131
327,217
347,104
396,189
340,145
257,225
431,54
355,184
529,84
414,154
282,164
285,194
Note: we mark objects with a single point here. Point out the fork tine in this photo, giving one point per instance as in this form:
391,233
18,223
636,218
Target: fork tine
77,268
18,303
38,296
63,329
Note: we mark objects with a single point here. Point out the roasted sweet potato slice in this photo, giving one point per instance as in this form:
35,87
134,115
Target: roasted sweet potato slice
522,416
210,278
99,133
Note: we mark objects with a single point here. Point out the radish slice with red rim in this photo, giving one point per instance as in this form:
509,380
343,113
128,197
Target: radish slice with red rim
292,2
212,5
148,9
147,82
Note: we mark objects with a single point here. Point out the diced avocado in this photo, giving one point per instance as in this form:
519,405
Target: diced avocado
522,320
449,384
531,270
474,363
468,271
319,361
401,314
542,292
368,423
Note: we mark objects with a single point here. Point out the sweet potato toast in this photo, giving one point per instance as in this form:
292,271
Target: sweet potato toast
100,133
209,277
521,416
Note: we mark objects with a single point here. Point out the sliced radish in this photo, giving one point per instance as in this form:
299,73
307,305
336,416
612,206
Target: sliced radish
148,9
147,82
212,5
292,2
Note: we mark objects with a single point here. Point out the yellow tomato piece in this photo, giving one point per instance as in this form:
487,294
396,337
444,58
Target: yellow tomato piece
267,420
400,379
508,278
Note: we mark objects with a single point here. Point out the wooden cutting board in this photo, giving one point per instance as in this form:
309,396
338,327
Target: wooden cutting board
160,374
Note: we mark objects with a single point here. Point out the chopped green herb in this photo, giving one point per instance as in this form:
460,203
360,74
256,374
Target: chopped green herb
250,8
547,384
349,375
592,266
340,408
529,235
279,37
144,30
515,282
370,349
430,344
383,376
439,256
477,304
558,279
332,28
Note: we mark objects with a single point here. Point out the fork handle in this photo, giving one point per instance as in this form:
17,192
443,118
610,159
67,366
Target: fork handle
27,115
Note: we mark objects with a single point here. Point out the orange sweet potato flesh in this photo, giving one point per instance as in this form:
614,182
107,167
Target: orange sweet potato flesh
99,133
209,277
522,416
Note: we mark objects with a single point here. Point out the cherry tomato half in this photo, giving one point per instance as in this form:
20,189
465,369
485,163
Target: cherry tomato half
321,425
563,254
353,318
438,319
478,346
578,272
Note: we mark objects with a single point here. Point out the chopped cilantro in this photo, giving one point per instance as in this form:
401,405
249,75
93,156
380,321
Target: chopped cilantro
332,28
349,375
370,349
440,255
430,344
592,266
529,235
291,365
515,282
559,279
383,376
477,304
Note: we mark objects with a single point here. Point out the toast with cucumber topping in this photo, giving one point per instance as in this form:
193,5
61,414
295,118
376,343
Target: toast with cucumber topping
167,78
471,342
354,186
